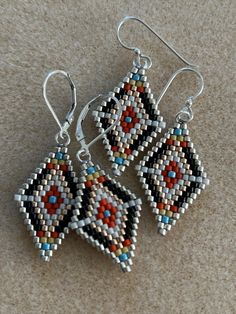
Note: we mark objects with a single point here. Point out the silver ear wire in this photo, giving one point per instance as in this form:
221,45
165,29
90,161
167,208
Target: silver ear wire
185,114
83,154
140,56
63,133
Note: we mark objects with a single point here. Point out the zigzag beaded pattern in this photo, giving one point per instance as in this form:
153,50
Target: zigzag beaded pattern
172,176
139,123
46,201
106,215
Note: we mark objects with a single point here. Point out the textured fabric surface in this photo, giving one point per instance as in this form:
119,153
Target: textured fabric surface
189,271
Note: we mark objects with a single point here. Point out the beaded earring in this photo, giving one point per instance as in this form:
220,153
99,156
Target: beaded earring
140,120
106,213
46,200
171,173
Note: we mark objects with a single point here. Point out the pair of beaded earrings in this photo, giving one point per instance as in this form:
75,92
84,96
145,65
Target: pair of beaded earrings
102,211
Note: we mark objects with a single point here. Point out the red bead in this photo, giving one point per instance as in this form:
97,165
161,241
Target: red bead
113,210
88,184
174,208
183,144
50,166
48,205
101,179
160,205
63,167
60,200
54,234
101,209
128,151
45,199
168,168
114,148
112,248
169,142
140,89
100,216
127,242
106,220
40,234
169,185
127,87
103,202
112,218
135,120
111,224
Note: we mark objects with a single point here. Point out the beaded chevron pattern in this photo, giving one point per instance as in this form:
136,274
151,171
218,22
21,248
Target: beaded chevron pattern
139,123
172,176
46,201
106,215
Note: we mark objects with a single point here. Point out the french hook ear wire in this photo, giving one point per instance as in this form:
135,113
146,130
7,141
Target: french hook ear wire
83,154
185,114
63,133
140,56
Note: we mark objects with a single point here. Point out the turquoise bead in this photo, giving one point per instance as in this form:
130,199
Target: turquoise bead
178,132
52,199
107,213
59,156
128,119
46,246
119,160
171,174
136,77
91,170
123,257
165,219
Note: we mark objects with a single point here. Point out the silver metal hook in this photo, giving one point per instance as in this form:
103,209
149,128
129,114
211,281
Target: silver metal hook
147,59
63,133
83,154
185,114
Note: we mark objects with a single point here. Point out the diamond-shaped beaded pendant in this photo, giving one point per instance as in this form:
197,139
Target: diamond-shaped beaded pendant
106,215
138,125
172,176
46,201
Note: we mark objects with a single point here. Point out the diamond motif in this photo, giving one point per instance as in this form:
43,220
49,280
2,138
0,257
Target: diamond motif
172,176
138,125
106,215
46,201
